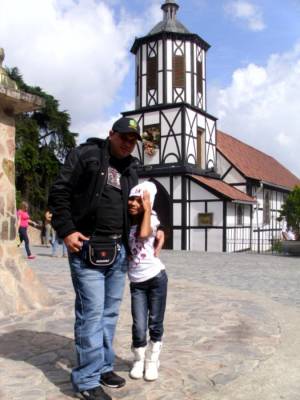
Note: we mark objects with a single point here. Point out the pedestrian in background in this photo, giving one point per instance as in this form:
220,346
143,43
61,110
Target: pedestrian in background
23,223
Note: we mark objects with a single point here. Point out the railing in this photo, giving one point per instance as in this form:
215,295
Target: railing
258,240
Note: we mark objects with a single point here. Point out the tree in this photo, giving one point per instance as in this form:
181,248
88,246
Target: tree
43,140
290,210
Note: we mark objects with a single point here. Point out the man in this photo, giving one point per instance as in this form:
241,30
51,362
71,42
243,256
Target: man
89,199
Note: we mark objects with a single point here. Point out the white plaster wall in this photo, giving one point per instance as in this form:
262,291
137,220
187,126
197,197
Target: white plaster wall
160,54
177,239
195,209
197,240
160,87
199,193
177,187
188,59
170,115
177,214
234,177
222,164
201,121
204,76
151,118
230,214
165,182
217,210
214,240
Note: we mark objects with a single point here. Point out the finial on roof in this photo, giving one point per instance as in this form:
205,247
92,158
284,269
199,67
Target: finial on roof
170,8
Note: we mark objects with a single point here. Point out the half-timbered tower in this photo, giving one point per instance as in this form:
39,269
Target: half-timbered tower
179,135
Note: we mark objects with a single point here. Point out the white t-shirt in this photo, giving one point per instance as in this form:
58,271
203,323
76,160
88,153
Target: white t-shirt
143,265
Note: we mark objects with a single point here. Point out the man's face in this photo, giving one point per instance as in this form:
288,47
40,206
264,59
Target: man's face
122,144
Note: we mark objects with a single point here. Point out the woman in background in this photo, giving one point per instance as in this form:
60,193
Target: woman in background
23,222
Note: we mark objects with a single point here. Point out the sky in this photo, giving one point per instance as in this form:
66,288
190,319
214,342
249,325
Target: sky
79,51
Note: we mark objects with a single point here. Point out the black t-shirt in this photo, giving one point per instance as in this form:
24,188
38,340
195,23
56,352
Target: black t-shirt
110,213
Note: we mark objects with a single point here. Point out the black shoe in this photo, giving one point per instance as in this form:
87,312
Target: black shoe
95,394
112,380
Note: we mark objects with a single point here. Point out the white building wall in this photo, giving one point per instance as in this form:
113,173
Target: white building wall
200,196
215,240
197,240
222,164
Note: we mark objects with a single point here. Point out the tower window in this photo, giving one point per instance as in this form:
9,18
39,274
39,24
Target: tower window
200,148
152,73
178,71
199,77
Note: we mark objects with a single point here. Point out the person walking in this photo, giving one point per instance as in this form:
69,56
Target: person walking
48,231
56,242
22,226
88,201
148,283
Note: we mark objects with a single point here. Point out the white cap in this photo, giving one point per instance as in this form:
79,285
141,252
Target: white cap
139,189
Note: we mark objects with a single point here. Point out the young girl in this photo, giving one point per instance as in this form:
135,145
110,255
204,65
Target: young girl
148,283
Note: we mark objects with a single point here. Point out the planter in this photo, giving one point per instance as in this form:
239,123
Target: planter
291,247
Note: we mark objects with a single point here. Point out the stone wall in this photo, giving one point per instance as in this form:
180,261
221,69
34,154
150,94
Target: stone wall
7,178
20,288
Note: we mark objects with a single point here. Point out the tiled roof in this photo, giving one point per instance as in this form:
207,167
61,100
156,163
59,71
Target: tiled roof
253,163
224,189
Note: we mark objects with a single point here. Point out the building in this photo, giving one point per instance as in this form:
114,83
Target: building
260,176
202,209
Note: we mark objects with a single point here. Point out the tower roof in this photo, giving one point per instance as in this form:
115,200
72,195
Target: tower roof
169,27
169,22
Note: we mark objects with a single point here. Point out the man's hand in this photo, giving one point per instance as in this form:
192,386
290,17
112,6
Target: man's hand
159,242
74,241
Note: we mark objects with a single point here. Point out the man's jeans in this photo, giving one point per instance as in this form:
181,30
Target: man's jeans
99,292
148,302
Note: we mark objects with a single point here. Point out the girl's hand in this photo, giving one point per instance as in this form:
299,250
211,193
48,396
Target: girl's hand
146,201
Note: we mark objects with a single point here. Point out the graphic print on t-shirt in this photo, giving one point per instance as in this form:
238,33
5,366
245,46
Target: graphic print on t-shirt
113,178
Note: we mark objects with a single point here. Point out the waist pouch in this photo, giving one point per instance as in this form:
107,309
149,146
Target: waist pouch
103,250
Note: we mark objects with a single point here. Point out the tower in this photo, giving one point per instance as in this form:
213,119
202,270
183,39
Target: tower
179,135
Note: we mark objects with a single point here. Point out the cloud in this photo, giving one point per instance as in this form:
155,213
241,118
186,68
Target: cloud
246,11
77,50
261,107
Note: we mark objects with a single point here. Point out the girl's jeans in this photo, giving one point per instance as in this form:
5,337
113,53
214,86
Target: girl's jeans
148,304
98,297
24,236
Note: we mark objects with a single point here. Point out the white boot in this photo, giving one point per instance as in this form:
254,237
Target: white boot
137,370
152,361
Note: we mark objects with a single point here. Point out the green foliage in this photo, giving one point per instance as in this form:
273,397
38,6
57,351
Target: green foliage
291,211
277,246
43,140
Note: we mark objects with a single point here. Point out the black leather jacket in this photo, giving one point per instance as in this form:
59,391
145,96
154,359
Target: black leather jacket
75,194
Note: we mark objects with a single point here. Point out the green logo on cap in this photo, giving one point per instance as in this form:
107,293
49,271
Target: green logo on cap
133,124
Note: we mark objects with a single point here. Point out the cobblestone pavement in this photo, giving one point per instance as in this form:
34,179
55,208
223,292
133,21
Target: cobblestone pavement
232,332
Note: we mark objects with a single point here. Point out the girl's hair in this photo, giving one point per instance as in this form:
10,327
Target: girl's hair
24,205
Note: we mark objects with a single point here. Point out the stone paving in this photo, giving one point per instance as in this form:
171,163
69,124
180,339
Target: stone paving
232,327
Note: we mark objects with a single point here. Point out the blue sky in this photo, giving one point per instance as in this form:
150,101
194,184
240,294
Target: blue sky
79,52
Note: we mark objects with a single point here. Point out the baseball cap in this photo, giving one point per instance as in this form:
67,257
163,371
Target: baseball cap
127,125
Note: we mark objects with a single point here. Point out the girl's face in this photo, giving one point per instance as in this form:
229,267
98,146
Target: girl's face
135,205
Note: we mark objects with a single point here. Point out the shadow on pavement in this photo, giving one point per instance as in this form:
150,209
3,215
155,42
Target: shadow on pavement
53,354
